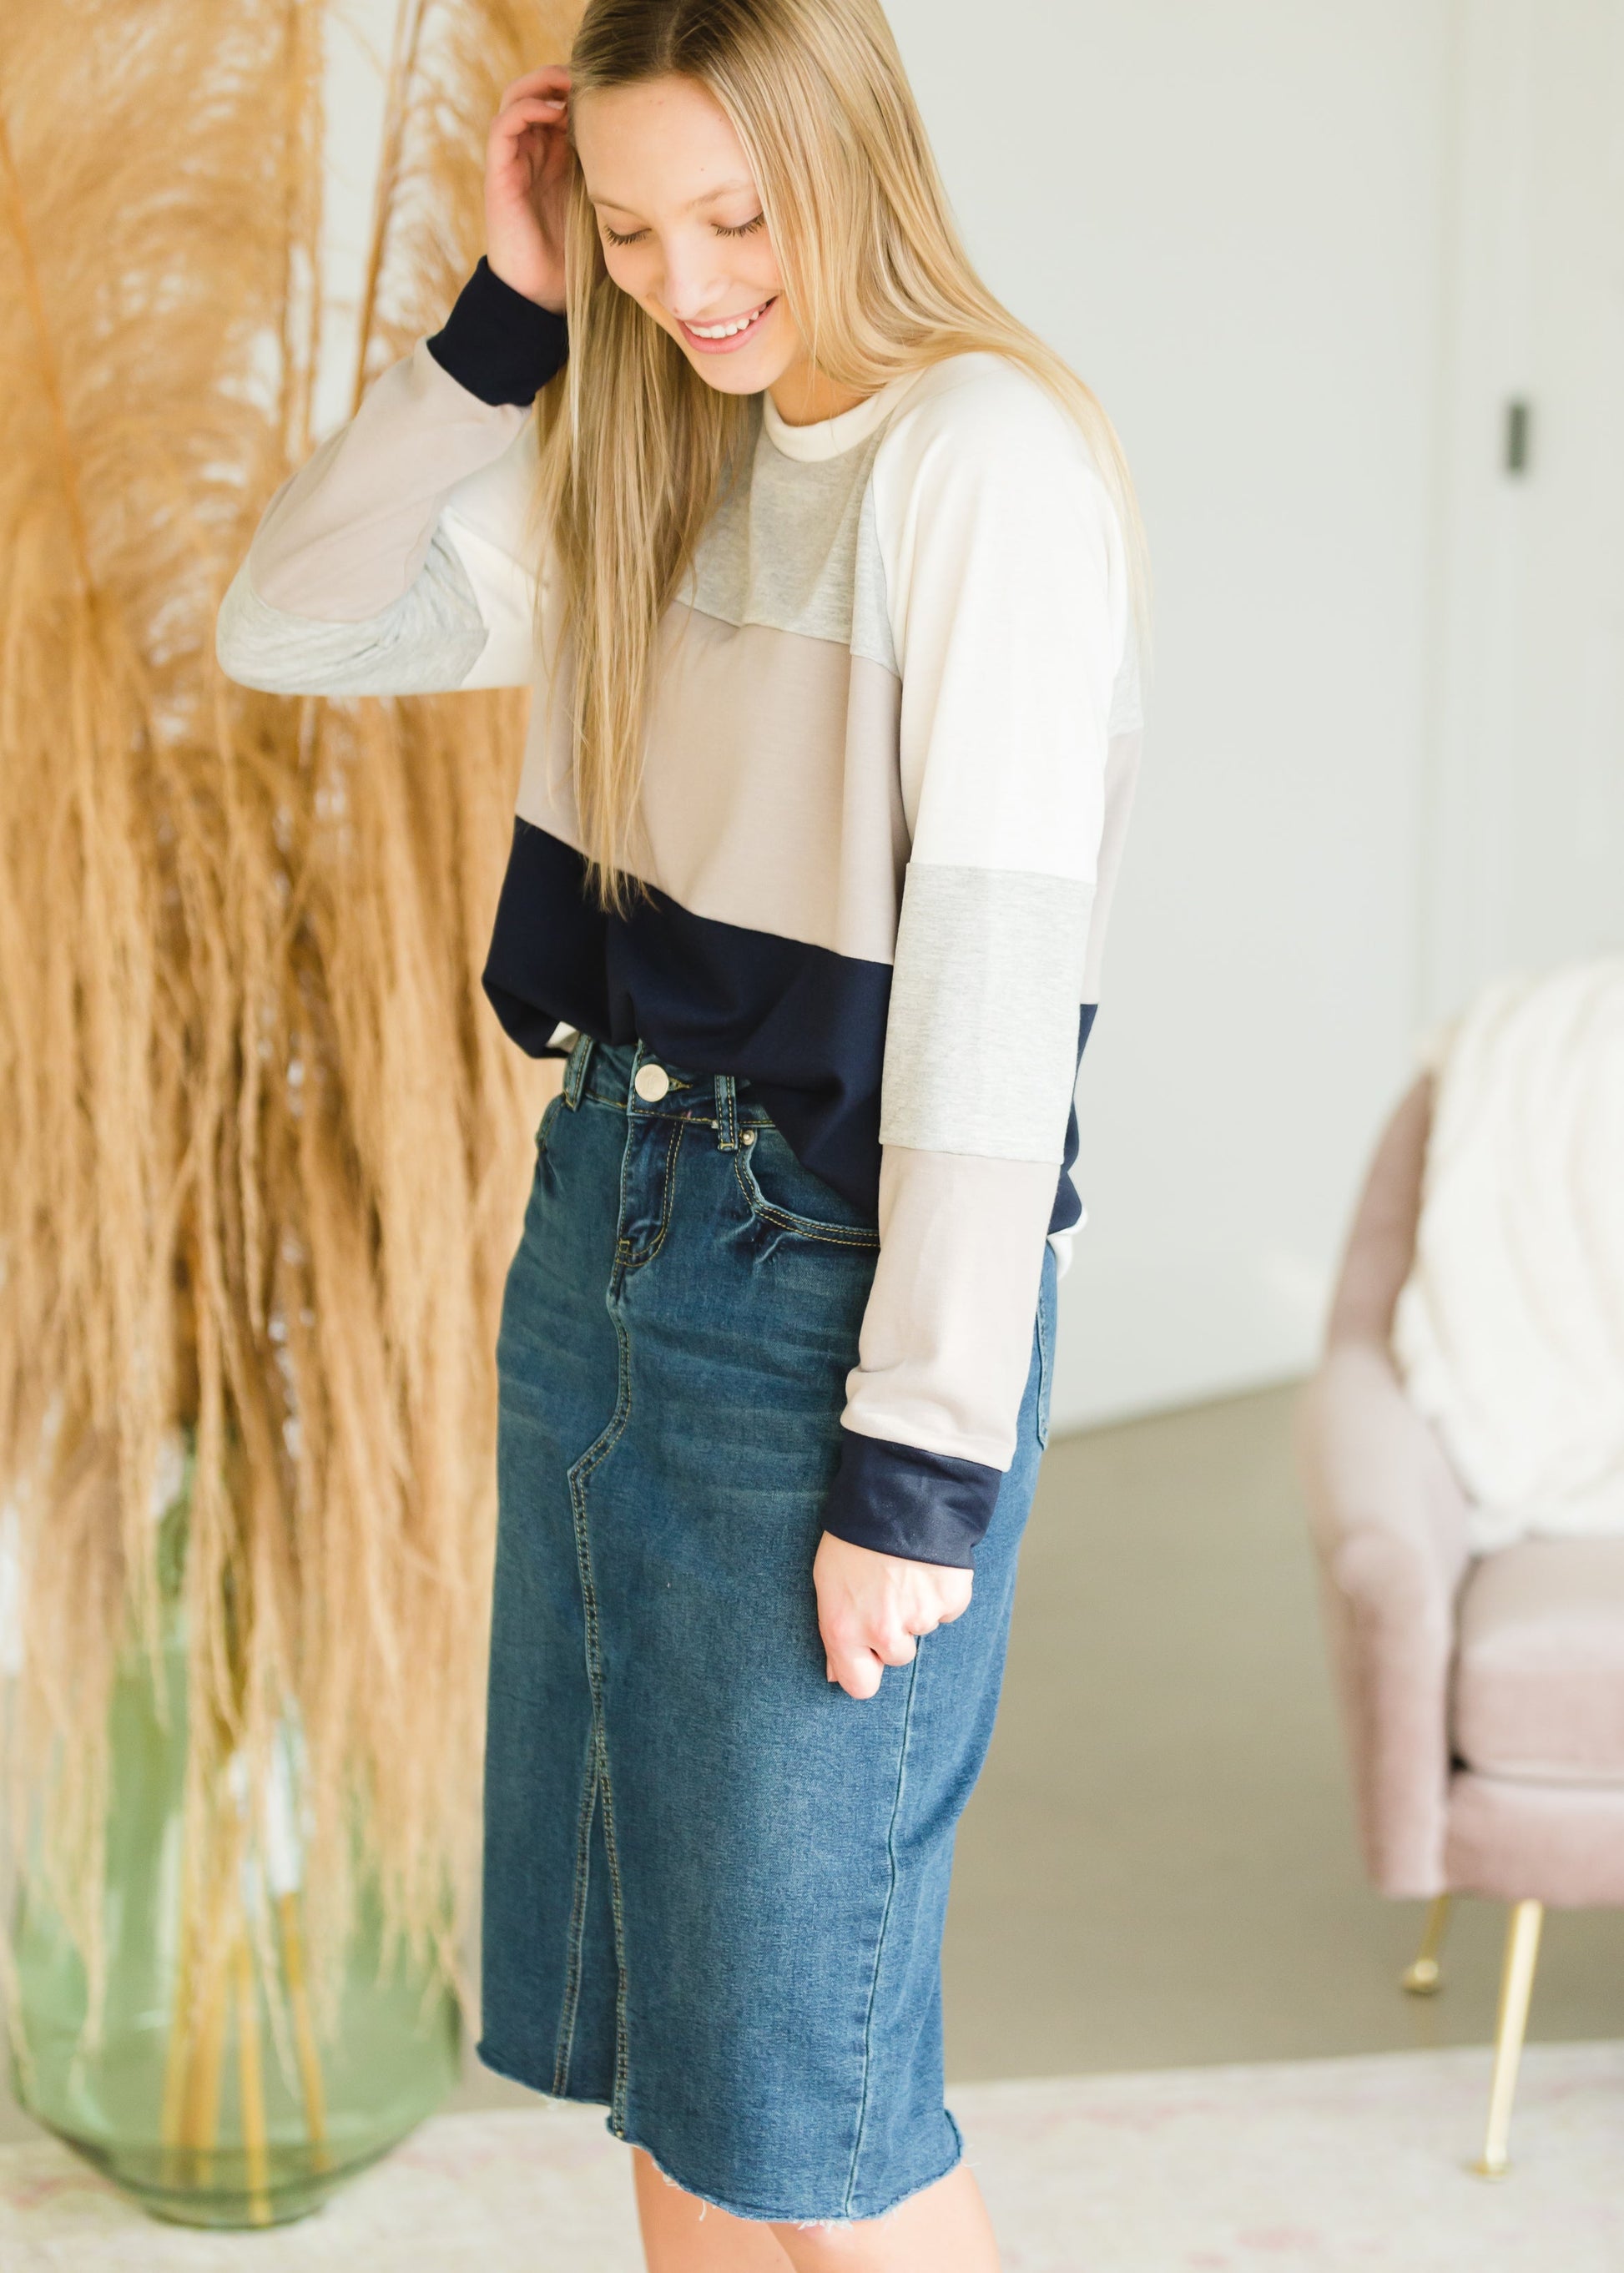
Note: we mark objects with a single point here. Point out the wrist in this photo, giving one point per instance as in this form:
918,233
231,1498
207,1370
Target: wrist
549,306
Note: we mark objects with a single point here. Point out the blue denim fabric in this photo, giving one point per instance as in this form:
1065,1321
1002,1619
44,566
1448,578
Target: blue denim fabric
714,1883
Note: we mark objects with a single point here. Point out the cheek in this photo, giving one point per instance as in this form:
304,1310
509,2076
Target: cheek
637,269
750,260
760,263
625,269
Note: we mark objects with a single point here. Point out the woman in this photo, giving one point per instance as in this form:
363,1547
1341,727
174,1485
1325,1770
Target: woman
822,566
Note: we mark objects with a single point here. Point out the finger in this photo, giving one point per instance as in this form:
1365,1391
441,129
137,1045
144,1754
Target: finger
529,113
530,110
530,149
550,78
858,1672
896,1648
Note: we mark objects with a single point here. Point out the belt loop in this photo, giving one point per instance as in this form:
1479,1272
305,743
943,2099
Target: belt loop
575,1072
726,1114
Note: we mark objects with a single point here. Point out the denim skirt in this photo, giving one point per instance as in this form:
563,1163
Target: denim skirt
714,1883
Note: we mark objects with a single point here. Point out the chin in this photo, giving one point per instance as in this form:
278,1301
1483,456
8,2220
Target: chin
734,374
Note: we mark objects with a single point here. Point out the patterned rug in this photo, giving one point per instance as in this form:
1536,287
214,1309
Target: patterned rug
1321,2166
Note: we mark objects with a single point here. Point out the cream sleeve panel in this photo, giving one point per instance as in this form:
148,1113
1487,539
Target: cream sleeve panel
1008,596
1008,600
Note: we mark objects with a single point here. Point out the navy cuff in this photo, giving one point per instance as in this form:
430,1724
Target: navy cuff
926,1506
497,344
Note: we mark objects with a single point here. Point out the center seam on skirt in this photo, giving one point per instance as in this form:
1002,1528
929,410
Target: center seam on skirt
622,2058
569,2005
879,1952
580,1475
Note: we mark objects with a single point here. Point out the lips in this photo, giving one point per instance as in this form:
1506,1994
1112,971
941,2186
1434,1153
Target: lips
728,332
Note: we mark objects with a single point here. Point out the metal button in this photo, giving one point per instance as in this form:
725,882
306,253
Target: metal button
651,1083
750,1136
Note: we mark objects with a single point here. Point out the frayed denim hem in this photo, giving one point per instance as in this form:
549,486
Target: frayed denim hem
516,2071
805,2221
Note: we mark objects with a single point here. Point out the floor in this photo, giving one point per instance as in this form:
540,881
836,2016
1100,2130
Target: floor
1157,1872
1324,2166
1159,1868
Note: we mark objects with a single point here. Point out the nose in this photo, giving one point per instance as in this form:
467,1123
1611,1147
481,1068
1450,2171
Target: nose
695,281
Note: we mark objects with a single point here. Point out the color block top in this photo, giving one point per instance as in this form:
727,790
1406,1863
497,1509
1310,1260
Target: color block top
890,756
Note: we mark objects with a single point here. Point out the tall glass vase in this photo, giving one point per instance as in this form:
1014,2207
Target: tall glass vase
207,2091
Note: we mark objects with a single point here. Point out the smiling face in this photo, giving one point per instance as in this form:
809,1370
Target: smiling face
681,222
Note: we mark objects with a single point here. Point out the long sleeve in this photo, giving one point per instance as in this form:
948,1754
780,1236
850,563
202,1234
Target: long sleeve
400,558
1008,600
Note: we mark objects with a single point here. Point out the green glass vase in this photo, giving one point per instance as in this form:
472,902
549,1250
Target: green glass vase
208,2093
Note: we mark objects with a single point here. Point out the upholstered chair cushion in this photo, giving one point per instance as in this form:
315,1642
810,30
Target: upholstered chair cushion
1514,1840
1539,1689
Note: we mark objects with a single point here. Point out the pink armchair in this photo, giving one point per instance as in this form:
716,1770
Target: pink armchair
1483,1699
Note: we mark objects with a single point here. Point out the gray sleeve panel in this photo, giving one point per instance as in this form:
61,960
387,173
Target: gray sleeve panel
426,642
985,952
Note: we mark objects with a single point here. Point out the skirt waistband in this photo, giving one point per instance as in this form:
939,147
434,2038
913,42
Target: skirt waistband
632,1078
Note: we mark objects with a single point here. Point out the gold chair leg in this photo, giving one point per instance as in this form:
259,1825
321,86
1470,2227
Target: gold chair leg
1425,1978
1516,1986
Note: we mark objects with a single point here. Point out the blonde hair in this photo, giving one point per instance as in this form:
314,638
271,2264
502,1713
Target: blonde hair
638,447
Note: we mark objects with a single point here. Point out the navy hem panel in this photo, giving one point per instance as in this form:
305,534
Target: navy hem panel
1068,1208
548,958
898,1499
804,1026
499,344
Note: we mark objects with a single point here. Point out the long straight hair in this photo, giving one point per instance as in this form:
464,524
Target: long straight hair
638,447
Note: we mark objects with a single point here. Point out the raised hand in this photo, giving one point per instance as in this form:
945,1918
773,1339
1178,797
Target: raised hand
527,164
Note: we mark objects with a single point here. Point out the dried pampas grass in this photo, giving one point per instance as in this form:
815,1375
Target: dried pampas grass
265,1150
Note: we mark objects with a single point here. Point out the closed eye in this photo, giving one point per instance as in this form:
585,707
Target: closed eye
634,236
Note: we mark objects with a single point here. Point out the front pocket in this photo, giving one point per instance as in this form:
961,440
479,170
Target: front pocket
784,1195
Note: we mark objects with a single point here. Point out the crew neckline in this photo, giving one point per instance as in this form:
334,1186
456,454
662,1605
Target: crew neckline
829,437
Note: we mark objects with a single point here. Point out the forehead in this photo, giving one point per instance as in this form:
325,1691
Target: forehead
661,145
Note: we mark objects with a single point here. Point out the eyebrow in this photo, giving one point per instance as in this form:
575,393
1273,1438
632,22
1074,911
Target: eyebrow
705,198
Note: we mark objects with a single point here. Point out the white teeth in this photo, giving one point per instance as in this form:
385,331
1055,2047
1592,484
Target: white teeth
725,331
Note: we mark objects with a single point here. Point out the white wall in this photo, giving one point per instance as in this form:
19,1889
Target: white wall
1526,836
1227,213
